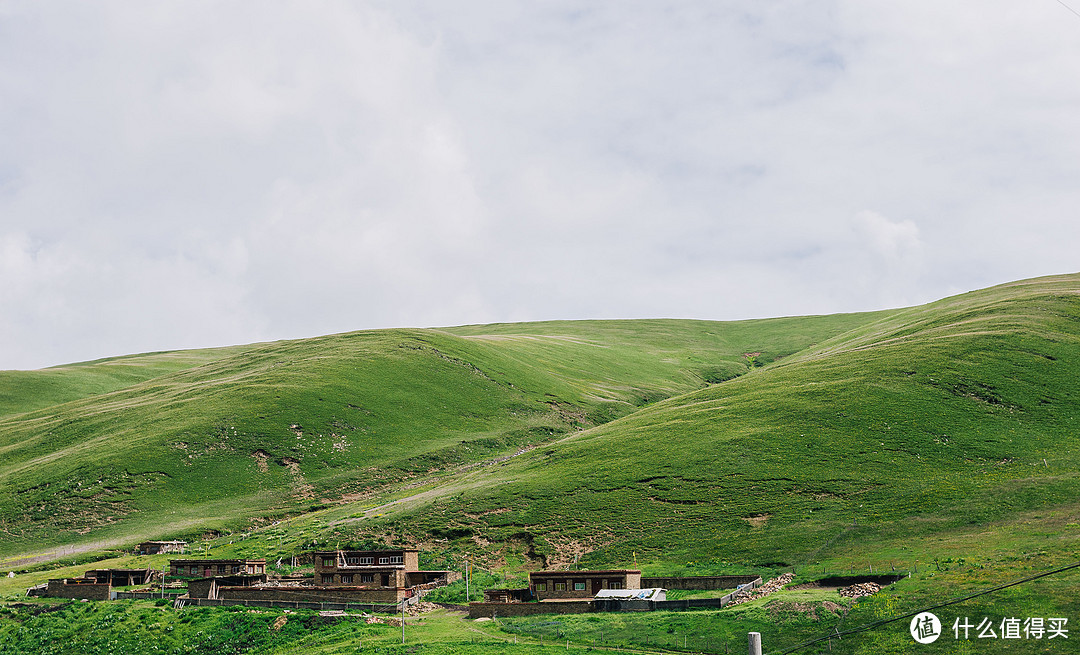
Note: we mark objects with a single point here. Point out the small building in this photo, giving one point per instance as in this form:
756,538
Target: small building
121,577
207,568
96,584
209,587
161,547
581,584
508,595
87,588
376,569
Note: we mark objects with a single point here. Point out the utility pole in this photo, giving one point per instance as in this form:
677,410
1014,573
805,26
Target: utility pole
755,643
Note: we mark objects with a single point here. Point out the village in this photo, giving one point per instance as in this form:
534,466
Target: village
390,580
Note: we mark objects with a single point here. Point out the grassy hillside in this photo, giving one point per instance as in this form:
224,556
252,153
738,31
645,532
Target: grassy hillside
955,415
24,391
940,440
278,428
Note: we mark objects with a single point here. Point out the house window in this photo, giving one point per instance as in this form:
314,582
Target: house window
397,559
236,569
328,562
367,560
615,585
579,586
222,568
367,577
384,560
328,579
346,579
560,586
541,586
353,561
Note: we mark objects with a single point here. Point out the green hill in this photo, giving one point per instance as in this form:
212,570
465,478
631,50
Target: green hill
940,440
24,391
770,441
276,428
926,421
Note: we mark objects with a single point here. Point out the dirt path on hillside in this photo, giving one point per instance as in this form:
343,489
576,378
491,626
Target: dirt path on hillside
69,550
19,561
454,484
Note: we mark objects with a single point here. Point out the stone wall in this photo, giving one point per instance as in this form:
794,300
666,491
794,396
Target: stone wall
314,594
616,605
702,582
346,607
59,589
145,595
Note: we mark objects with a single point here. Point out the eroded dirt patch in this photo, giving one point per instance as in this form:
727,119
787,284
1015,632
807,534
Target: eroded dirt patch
300,486
813,610
261,458
757,521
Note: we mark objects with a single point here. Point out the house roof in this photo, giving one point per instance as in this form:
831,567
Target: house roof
216,561
347,552
566,574
631,594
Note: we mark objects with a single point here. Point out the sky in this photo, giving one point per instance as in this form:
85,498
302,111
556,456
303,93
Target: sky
192,174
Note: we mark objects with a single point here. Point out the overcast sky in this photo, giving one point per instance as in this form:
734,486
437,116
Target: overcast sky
187,174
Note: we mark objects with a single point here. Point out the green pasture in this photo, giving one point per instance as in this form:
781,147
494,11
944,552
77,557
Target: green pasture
939,440
276,429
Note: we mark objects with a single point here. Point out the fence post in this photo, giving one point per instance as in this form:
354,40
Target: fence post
754,643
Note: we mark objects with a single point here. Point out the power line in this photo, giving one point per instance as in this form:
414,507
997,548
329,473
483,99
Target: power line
1060,2
874,624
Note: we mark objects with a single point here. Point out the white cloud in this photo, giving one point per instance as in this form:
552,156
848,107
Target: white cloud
303,168
892,241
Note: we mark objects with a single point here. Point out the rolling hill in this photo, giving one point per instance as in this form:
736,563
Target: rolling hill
768,442
940,441
959,415
183,443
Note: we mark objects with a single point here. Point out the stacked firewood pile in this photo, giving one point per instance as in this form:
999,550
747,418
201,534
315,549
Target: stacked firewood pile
860,590
423,607
776,584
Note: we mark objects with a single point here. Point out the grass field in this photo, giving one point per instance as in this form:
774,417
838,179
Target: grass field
273,430
939,439
921,423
